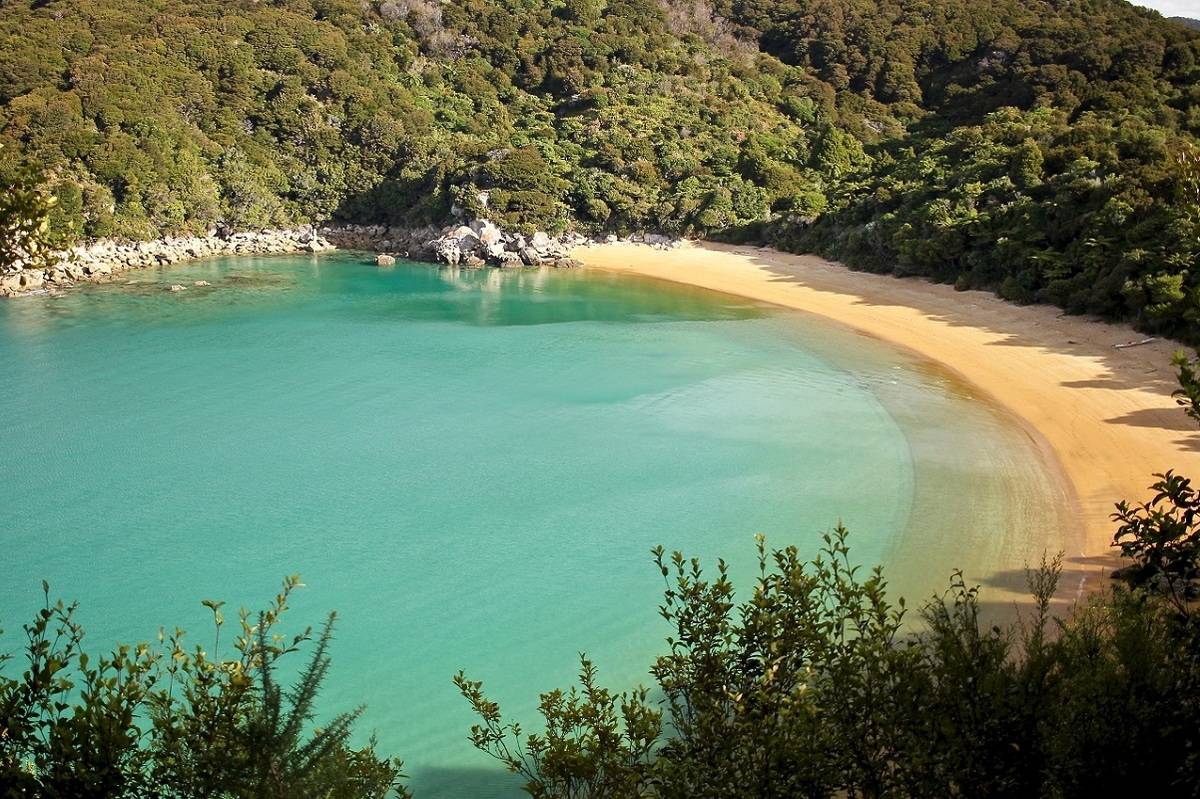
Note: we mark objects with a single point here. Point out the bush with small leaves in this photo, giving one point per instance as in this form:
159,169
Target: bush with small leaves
596,744
26,206
172,721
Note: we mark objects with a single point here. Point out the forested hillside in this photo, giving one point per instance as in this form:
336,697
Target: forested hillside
1045,149
177,115
1050,154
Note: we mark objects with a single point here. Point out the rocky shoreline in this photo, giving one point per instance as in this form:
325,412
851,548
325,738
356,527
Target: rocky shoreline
475,245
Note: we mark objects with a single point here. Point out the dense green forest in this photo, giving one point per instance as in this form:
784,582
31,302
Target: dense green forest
1047,150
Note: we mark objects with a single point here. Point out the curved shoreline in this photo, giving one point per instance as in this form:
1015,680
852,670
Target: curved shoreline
1106,415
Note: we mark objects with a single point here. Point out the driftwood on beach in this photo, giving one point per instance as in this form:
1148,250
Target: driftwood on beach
1129,344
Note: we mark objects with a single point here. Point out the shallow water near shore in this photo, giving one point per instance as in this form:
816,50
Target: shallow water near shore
471,468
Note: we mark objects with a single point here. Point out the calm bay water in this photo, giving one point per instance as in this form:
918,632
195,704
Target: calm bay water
471,468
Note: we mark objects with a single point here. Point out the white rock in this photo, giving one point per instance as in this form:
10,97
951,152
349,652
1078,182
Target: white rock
530,256
489,234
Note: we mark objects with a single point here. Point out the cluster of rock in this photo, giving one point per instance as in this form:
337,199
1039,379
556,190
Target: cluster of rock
405,242
102,260
658,241
474,245
481,243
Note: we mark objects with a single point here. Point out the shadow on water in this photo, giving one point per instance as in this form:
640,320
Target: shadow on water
464,783
1078,575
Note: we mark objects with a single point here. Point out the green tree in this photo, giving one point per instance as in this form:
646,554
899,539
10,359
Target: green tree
26,240
178,721
596,744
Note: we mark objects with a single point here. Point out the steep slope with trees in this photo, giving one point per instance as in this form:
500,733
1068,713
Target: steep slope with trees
1050,152
178,116
1045,150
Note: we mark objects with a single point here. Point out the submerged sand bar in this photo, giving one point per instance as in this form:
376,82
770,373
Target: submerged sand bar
1106,414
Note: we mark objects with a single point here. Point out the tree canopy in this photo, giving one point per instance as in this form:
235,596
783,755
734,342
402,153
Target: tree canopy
1044,150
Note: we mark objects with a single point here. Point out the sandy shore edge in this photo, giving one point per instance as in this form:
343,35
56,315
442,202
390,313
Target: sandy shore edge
1106,414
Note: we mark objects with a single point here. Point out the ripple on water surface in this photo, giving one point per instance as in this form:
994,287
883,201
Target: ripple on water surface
471,467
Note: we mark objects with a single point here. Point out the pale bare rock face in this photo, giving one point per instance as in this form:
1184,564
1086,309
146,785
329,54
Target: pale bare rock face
481,243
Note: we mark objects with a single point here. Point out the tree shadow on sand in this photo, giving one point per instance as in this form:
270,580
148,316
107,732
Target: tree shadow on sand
1127,367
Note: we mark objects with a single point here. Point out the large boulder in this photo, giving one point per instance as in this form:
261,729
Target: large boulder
13,282
31,279
445,250
468,245
547,248
496,251
384,260
455,245
529,256
489,234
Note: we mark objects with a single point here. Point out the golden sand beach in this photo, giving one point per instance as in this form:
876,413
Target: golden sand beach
1105,412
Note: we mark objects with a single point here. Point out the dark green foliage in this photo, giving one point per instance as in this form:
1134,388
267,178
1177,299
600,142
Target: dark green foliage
1100,215
597,744
68,723
1188,393
27,213
171,721
1045,151
1162,536
174,117
737,676
810,687
1050,153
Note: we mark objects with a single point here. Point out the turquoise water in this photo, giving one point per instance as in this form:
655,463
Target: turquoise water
470,467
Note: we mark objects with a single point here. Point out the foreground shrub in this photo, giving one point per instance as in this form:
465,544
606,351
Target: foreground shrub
174,721
810,686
